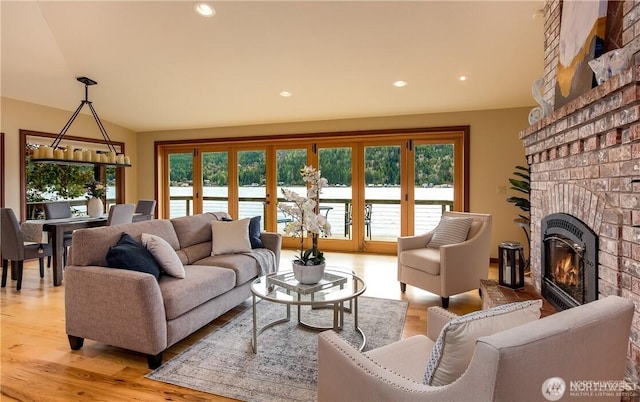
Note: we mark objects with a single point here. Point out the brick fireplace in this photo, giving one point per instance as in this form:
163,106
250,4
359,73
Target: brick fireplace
584,158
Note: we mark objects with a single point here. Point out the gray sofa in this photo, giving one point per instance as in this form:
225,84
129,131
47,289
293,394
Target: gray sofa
136,311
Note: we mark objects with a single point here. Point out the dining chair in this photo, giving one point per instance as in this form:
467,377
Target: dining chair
120,213
146,207
16,250
59,210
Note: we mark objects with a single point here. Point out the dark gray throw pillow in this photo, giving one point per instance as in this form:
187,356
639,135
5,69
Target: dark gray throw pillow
254,232
132,255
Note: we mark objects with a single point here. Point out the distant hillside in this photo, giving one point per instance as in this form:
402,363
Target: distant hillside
434,166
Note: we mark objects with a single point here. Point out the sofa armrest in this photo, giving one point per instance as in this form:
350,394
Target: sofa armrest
115,306
466,263
413,242
437,318
345,374
272,241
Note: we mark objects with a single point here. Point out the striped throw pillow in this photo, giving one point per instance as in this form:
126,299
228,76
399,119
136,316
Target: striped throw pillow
454,347
450,231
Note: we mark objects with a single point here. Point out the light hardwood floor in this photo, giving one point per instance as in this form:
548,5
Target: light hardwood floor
38,365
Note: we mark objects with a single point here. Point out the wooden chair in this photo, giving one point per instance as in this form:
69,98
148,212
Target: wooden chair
120,213
368,210
59,210
16,250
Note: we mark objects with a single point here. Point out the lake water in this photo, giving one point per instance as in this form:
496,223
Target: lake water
385,217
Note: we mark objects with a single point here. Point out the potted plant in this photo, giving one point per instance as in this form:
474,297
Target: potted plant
522,185
306,220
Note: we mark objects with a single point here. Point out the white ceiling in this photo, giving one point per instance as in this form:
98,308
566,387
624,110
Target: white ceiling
159,66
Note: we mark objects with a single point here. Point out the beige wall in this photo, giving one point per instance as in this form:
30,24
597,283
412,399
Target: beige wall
16,115
495,151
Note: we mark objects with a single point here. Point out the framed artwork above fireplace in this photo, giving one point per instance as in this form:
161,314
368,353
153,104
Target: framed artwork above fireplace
582,30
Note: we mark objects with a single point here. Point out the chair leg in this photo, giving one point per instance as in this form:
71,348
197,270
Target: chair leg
64,256
5,268
19,267
403,287
41,263
49,262
445,302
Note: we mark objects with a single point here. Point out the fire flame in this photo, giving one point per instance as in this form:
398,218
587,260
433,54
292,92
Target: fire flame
566,272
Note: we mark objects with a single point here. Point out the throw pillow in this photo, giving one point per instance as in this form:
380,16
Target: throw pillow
450,231
254,232
454,347
164,254
230,237
127,253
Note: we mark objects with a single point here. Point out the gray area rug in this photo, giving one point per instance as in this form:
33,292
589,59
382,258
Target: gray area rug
285,368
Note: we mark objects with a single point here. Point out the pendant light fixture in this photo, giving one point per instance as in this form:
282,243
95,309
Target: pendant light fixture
67,155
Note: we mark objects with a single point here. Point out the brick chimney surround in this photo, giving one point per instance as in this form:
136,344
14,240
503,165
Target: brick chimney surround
583,158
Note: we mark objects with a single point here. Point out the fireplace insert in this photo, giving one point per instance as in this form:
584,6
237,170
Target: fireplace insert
569,258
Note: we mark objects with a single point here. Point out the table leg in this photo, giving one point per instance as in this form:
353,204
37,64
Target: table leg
57,243
355,312
254,339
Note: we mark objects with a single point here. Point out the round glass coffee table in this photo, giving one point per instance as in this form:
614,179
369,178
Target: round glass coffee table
335,288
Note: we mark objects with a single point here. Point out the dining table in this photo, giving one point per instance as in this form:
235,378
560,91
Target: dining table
55,229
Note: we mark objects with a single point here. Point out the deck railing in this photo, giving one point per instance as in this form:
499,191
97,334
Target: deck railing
384,222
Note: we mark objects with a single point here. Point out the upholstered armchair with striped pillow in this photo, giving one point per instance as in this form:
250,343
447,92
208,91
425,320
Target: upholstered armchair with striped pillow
450,259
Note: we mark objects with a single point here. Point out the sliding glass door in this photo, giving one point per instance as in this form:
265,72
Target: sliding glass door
380,187
215,181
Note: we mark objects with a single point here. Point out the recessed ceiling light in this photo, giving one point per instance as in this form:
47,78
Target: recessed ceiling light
399,83
463,77
204,10
285,94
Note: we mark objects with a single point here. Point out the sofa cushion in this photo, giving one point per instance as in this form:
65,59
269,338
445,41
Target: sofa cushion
201,283
195,252
450,231
244,266
127,253
193,229
164,254
422,259
407,358
230,237
454,347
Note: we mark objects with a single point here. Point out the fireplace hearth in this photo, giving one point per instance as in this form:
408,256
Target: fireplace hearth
569,257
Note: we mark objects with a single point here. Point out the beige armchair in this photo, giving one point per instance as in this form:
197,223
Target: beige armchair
585,343
450,269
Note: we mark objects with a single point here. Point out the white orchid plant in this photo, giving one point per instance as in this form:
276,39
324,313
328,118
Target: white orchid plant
306,217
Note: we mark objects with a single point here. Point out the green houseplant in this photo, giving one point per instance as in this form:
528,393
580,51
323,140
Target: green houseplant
521,184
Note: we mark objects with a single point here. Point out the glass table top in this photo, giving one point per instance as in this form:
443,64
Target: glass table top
281,287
